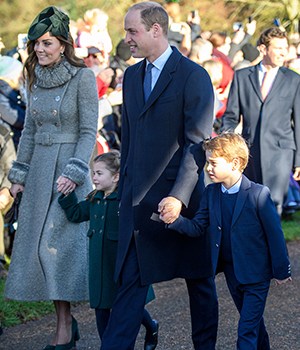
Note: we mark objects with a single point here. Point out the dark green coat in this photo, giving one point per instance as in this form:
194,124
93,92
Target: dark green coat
103,240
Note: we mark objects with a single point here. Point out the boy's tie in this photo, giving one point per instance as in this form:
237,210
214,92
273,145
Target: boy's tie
148,81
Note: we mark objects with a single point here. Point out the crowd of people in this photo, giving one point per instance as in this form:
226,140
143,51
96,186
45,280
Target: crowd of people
187,129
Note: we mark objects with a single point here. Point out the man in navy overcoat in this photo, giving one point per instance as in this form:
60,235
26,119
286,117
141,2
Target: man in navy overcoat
160,167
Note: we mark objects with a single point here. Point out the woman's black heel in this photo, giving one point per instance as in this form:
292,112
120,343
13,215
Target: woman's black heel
74,337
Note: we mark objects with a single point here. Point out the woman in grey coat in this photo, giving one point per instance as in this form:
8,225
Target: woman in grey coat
49,260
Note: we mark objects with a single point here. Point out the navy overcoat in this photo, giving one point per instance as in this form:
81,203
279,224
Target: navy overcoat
162,156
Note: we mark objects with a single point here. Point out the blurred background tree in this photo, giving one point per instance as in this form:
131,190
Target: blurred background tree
16,15
284,12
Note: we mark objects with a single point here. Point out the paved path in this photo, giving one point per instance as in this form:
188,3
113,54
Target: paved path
170,308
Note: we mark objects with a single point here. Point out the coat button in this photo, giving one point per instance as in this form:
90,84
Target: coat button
35,98
219,228
57,98
34,112
39,123
56,124
217,245
102,217
95,216
54,112
101,231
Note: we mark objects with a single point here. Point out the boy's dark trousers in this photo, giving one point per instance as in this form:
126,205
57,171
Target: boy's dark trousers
250,300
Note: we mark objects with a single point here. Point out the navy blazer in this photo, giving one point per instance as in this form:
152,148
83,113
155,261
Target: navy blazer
259,250
161,156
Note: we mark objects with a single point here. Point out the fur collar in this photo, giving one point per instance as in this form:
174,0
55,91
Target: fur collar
54,76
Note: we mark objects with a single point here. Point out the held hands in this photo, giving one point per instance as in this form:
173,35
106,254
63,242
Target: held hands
278,282
169,209
65,185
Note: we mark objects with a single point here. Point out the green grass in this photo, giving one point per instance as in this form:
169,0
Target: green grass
15,312
291,227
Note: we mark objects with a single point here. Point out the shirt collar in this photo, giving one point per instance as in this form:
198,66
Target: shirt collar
263,69
162,59
233,189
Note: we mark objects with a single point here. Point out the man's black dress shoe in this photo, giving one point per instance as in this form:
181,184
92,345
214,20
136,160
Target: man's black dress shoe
151,337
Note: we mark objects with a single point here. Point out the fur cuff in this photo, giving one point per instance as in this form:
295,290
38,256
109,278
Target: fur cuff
76,170
18,173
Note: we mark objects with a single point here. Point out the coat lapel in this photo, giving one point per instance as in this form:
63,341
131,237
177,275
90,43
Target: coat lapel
164,79
255,81
138,90
241,198
277,84
217,206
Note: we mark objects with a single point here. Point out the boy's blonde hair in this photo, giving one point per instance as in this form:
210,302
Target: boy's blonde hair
229,146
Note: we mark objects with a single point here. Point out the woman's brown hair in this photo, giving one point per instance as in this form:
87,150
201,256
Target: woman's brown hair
31,62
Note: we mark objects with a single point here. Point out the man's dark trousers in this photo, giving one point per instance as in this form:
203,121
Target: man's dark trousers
127,311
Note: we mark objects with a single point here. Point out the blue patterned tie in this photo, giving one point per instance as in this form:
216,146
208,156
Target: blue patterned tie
148,81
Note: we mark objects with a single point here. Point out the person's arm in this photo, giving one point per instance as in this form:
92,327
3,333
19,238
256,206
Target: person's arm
186,42
194,227
13,116
198,121
77,168
296,129
241,38
75,212
231,117
20,167
275,239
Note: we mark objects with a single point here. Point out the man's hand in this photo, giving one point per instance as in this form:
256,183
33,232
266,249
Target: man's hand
169,209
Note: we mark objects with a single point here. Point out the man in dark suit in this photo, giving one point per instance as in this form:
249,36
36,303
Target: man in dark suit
160,167
267,99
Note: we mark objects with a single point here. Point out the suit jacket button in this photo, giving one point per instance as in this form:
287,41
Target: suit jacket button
219,228
217,245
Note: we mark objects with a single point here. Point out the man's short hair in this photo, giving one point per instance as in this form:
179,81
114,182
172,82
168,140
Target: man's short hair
152,12
229,146
269,34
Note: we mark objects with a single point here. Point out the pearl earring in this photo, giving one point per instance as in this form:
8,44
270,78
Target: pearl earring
61,54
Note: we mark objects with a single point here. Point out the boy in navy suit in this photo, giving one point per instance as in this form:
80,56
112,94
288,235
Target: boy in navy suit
247,240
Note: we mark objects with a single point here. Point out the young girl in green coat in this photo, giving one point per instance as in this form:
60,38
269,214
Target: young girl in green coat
101,209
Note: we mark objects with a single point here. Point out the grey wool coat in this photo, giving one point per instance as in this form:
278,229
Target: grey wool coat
49,258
